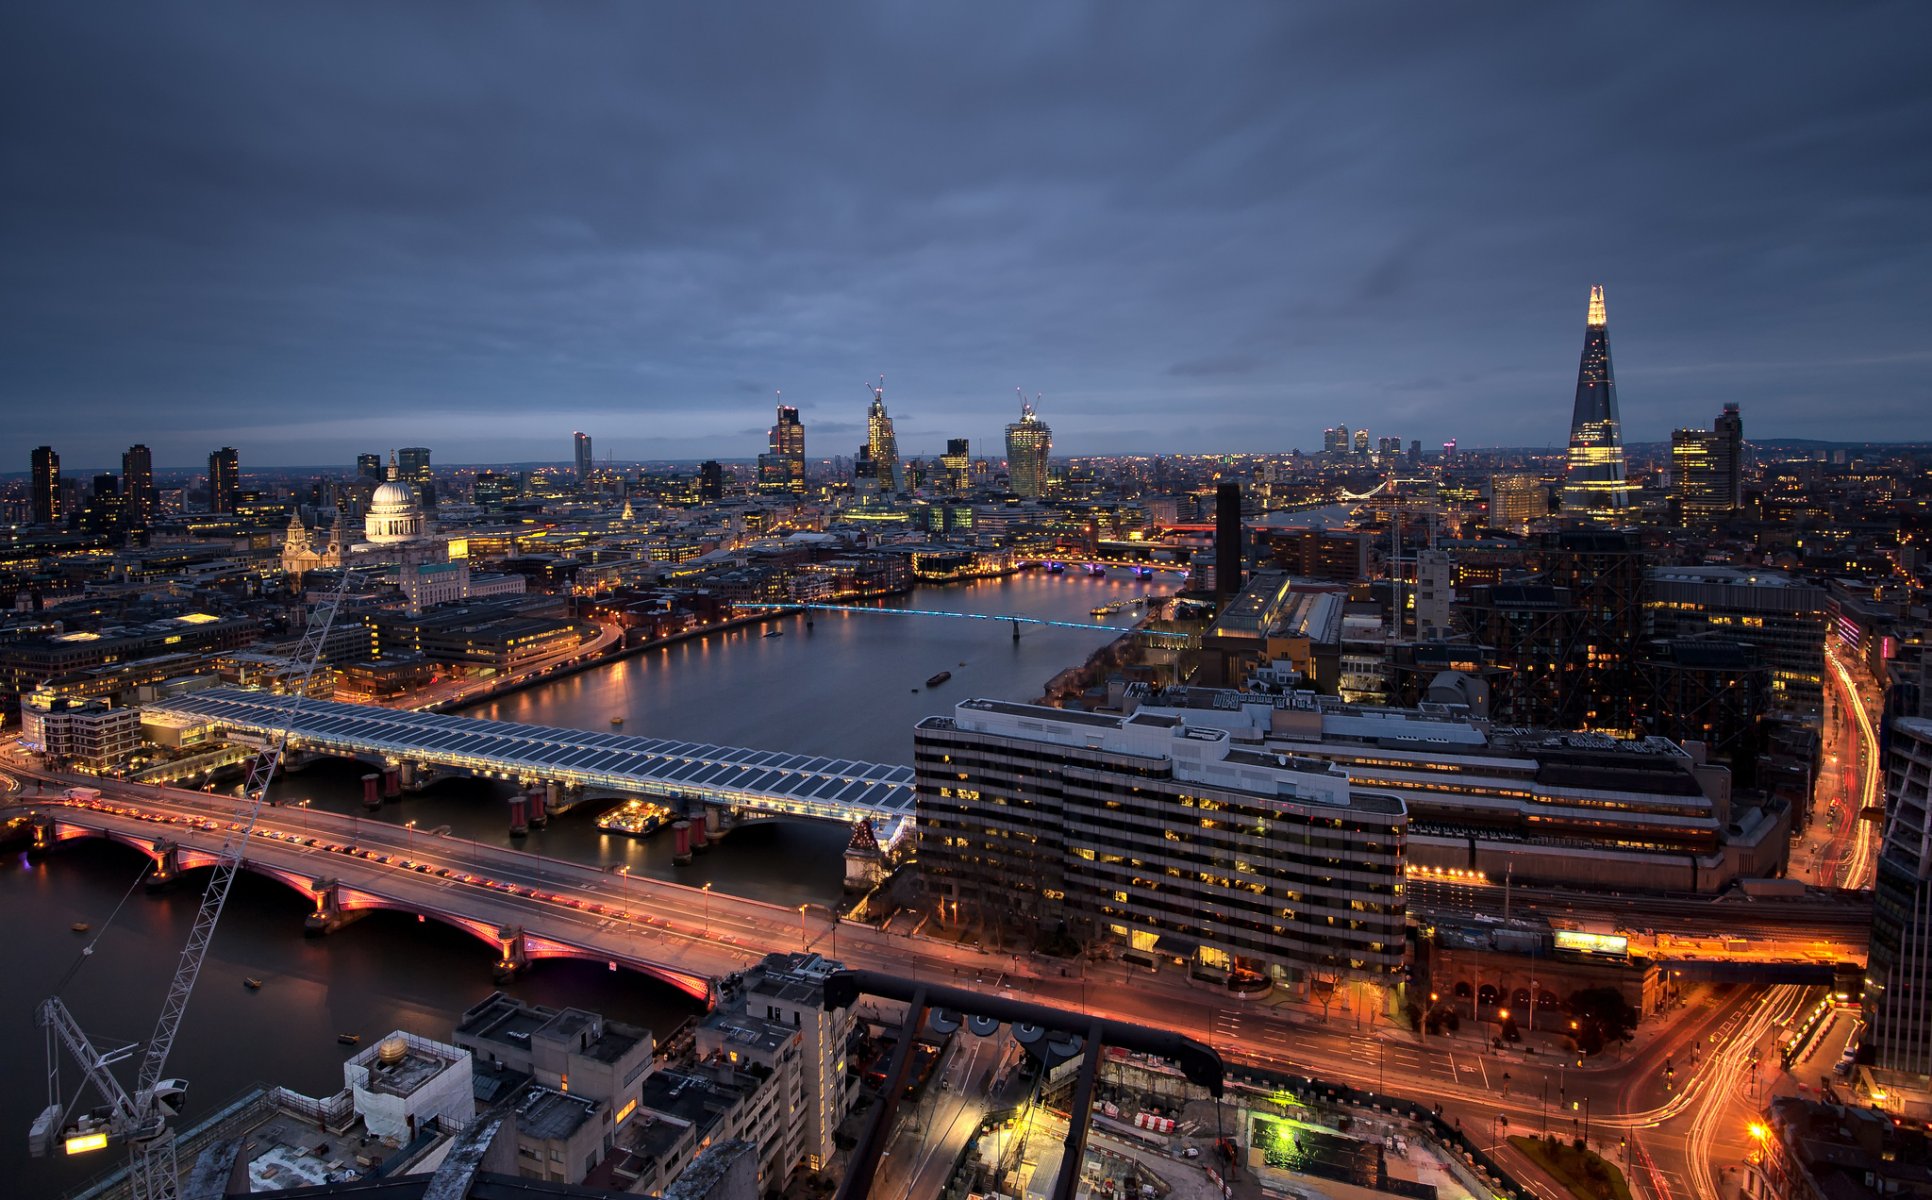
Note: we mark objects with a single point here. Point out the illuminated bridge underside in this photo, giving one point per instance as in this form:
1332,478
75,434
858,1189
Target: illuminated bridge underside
763,780
359,899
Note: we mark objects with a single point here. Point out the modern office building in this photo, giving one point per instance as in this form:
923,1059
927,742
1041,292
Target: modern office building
1552,807
710,481
882,444
1898,980
412,463
369,466
1781,617
1707,470
956,466
1029,444
224,480
46,486
1595,487
585,458
1568,636
1335,443
138,499
782,469
1230,547
1515,499
1162,834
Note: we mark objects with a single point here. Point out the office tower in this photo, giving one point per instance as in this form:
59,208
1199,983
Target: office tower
1227,538
138,500
103,512
586,461
1161,831
412,467
1595,488
1335,443
1729,462
1361,443
1898,978
1415,452
224,480
1515,499
882,443
1706,470
369,466
957,463
1029,444
487,491
46,485
710,481
782,469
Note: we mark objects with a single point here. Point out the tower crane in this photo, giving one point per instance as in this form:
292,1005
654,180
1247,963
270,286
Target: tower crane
140,1118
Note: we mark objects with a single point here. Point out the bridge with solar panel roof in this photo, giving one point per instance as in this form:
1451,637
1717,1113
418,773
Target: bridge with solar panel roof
767,782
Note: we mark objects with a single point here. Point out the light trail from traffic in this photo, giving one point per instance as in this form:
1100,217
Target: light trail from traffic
1722,1081
1860,867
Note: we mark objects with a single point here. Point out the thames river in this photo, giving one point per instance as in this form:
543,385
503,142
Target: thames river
850,686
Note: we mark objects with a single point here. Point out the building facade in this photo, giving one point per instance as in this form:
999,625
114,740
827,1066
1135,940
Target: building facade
46,486
1029,445
1898,996
224,480
1160,834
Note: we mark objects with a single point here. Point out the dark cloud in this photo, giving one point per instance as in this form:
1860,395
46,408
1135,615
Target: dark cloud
312,229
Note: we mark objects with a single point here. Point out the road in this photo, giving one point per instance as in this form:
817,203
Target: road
1859,864
1668,1117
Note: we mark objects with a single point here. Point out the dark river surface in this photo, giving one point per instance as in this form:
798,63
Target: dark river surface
851,686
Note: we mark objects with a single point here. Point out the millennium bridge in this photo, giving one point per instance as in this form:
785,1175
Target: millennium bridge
755,782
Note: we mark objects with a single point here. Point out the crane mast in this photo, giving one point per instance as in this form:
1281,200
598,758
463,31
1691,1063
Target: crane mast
140,1118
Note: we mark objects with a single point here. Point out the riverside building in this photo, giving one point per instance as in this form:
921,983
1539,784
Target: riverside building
1562,809
1161,833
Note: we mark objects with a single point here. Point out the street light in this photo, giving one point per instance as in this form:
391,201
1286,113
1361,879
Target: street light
707,909
409,837
304,806
624,887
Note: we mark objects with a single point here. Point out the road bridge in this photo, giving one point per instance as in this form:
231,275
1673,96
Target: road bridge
526,908
768,782
1160,638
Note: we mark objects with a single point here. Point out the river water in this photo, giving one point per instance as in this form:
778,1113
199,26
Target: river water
850,686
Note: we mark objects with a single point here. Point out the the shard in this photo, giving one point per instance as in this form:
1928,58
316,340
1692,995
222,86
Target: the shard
1594,488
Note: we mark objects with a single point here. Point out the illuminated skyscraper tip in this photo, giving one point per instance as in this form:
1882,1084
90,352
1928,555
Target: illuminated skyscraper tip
1595,487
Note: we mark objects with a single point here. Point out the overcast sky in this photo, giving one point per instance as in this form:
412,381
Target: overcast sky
310,230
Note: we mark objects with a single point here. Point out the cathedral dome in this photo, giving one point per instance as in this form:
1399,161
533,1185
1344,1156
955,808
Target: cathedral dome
392,496
393,517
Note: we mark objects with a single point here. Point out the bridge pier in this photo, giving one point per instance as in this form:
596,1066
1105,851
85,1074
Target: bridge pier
372,791
511,956
391,782
167,867
329,915
534,809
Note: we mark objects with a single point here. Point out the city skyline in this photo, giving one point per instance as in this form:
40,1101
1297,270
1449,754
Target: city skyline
664,236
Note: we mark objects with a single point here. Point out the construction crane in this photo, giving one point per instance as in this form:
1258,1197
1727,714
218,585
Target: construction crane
140,1118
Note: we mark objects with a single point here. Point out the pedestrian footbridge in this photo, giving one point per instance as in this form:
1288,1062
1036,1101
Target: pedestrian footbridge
763,781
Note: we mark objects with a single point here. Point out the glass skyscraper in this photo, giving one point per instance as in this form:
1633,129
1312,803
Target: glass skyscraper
1595,487
1029,443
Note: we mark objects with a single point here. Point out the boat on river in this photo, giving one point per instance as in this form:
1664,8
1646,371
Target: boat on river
349,1039
938,679
252,984
634,818
80,927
